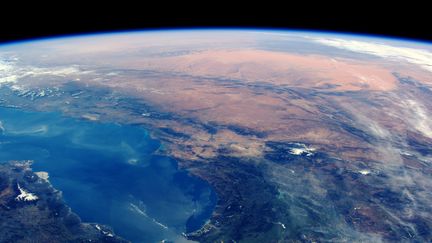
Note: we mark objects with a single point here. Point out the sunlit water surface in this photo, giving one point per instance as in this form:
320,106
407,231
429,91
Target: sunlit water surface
109,174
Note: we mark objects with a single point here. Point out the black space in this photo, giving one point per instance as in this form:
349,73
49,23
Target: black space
408,21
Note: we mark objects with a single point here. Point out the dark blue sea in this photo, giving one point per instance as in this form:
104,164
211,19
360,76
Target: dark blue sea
109,174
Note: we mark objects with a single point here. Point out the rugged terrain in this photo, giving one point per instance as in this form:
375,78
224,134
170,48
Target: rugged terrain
31,210
325,146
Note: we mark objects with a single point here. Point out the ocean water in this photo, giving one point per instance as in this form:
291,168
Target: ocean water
109,174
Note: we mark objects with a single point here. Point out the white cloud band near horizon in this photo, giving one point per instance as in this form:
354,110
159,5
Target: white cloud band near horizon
420,57
10,72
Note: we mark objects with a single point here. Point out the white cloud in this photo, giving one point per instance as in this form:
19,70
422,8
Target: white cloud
418,117
11,72
6,72
420,57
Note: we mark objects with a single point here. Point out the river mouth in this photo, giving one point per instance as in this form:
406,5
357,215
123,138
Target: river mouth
109,174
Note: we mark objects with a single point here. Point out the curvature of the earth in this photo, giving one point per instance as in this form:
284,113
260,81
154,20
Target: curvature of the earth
286,136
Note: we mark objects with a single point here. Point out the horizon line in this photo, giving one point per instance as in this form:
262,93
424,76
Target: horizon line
221,28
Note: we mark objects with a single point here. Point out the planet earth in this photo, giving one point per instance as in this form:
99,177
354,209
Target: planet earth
216,135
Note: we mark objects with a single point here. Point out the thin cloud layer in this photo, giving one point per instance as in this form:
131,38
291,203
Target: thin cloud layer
420,57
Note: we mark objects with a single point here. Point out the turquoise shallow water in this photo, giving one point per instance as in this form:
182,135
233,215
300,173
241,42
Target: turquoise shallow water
109,174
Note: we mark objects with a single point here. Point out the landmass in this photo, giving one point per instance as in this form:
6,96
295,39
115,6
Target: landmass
31,210
297,146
